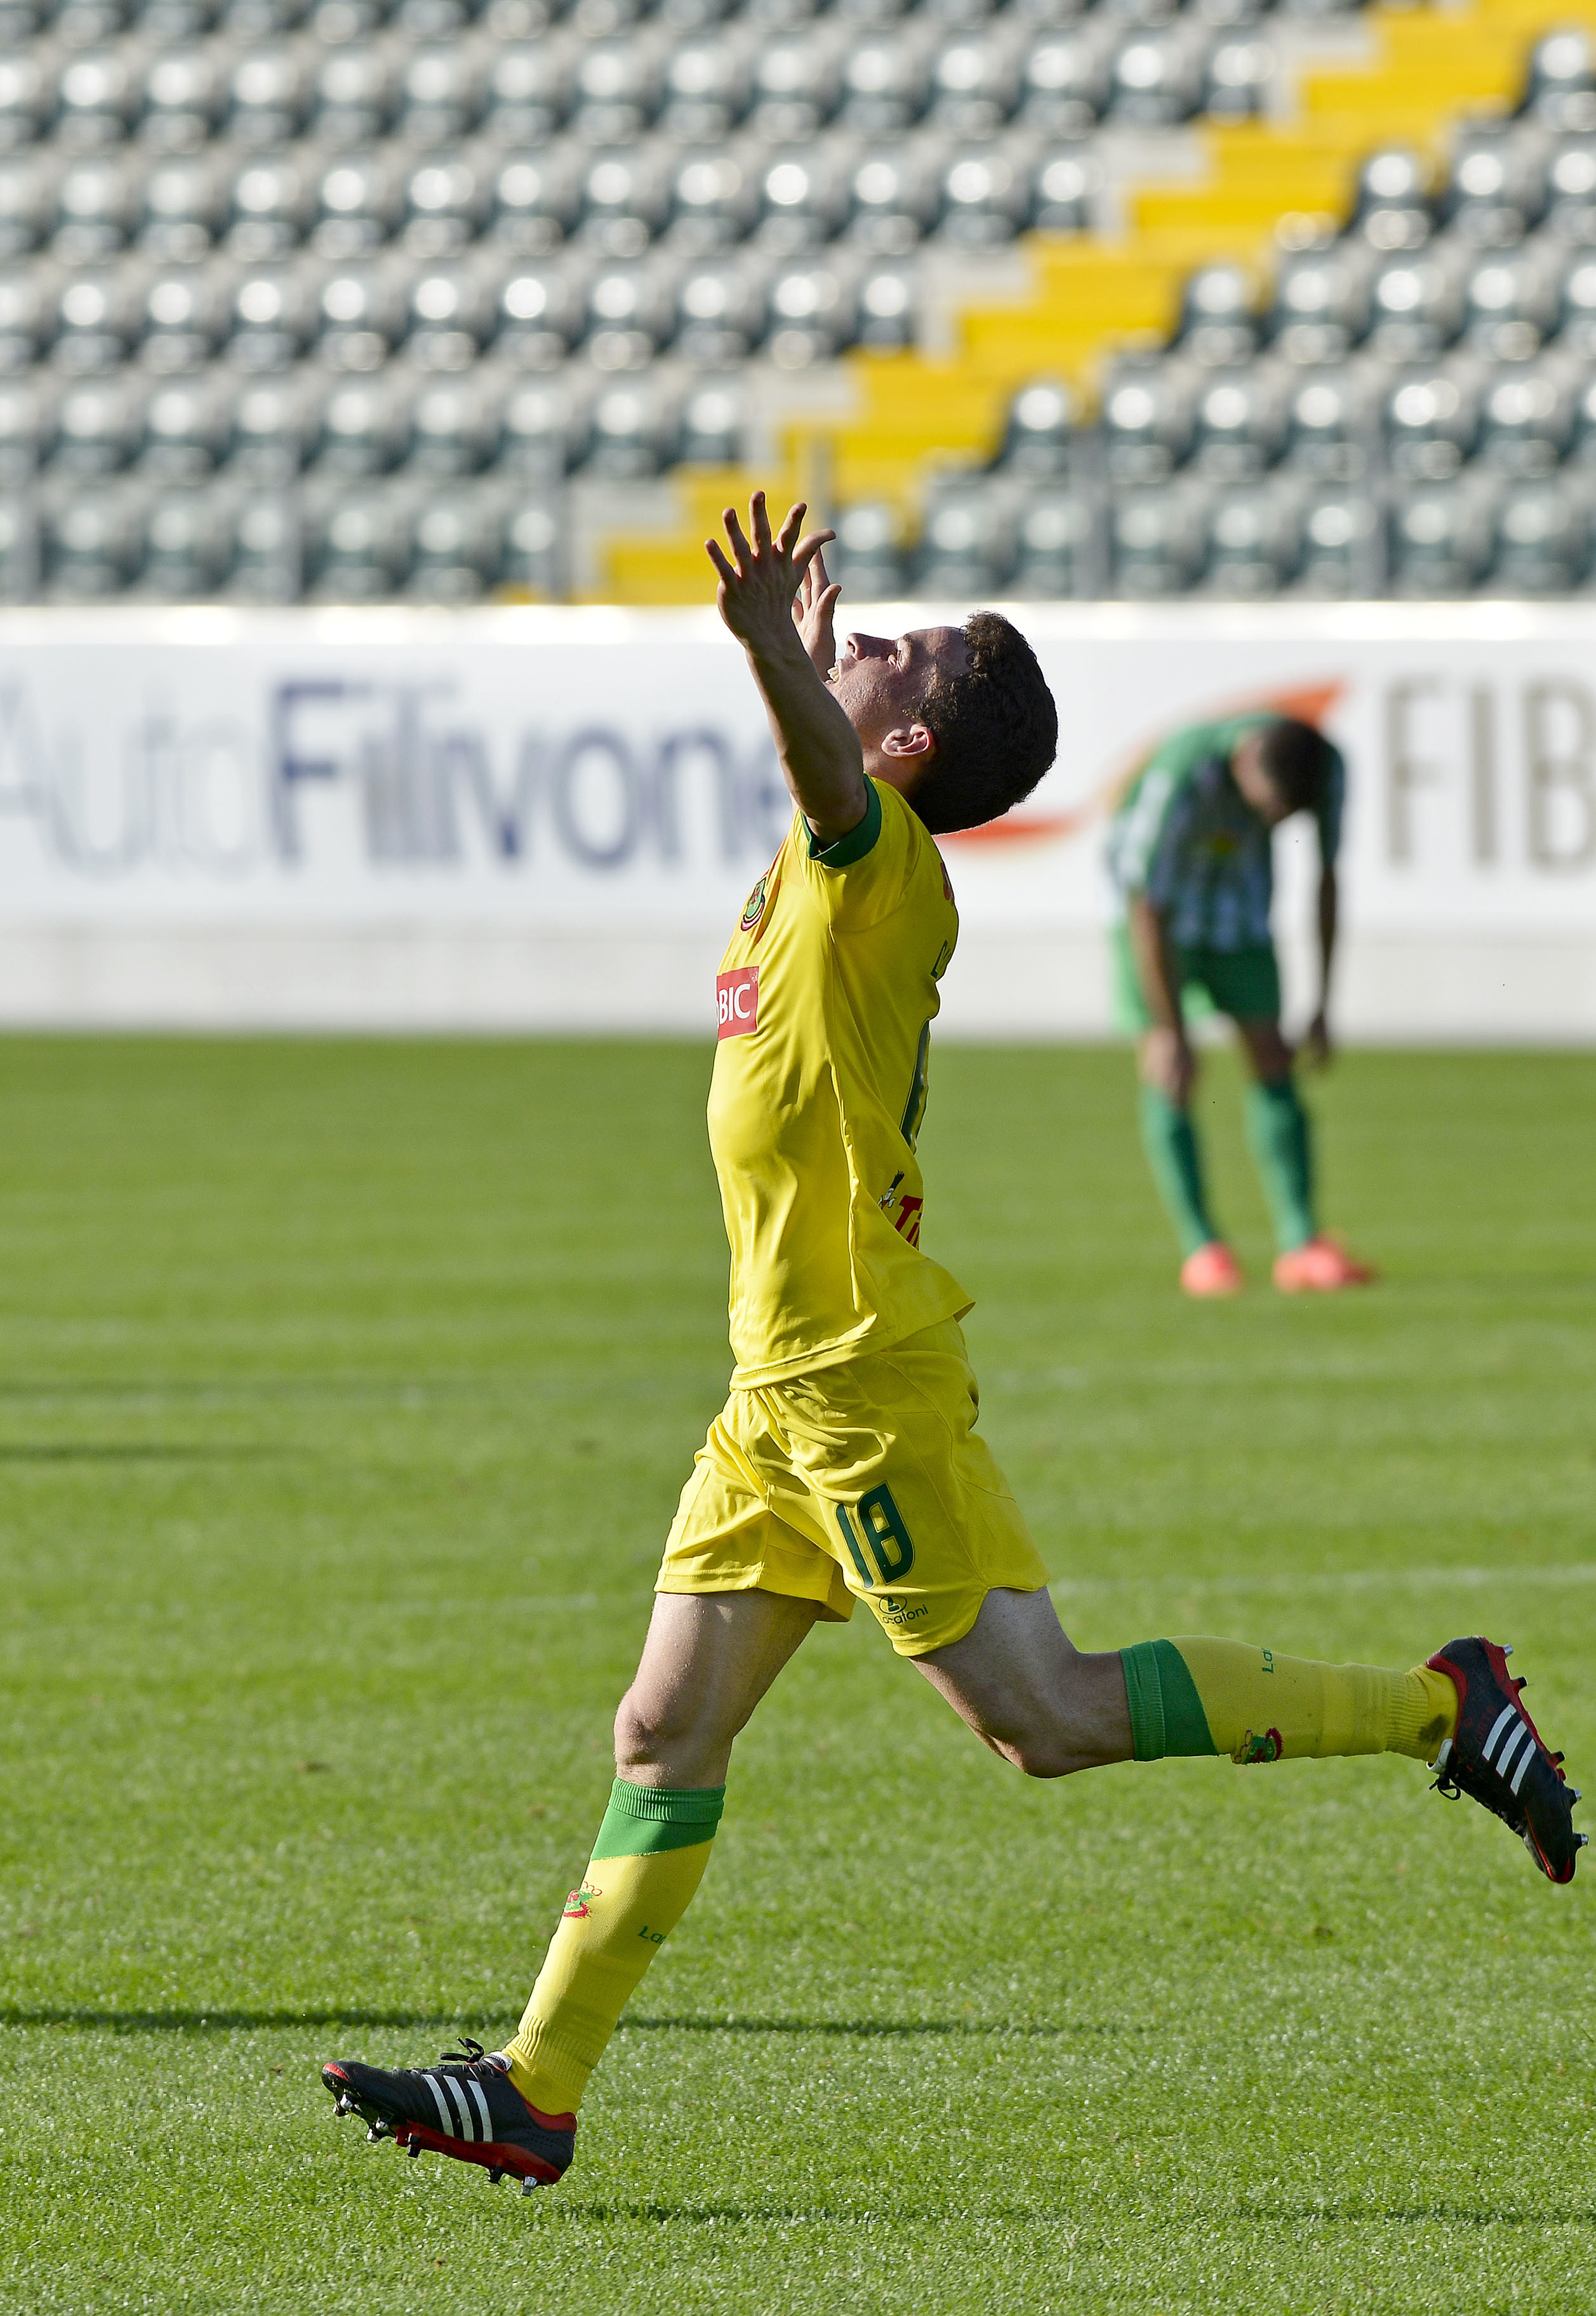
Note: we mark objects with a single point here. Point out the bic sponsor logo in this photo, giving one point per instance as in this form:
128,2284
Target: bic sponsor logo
737,999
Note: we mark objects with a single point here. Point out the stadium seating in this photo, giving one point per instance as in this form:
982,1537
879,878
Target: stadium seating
386,298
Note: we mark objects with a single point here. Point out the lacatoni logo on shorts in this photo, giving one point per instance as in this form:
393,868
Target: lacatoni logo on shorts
736,998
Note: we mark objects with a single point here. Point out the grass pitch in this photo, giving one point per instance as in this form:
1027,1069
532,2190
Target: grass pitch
345,1391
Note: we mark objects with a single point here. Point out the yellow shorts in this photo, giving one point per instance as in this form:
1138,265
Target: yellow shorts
860,1482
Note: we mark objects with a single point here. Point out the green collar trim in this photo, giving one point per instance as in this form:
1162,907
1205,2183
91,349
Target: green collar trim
857,840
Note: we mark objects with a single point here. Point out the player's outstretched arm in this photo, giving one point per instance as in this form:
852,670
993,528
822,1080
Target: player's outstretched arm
821,758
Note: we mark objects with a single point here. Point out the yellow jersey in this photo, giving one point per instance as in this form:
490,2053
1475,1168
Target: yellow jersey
826,1000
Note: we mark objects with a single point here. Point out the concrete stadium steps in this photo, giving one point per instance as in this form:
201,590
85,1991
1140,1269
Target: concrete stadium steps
914,414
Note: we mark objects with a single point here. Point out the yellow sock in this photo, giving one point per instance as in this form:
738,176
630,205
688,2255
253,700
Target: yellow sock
1226,1697
649,1858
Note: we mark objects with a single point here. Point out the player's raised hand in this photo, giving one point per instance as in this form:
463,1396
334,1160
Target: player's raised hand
761,577
813,607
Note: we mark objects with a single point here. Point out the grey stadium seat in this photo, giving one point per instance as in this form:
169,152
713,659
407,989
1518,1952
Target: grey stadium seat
452,313
186,318
456,548
274,202
1239,424
1155,542
1497,189
537,198
1570,191
1053,544
275,314
1220,322
98,201
185,98
633,430
1066,80
1561,87
27,201
448,199
812,313
1440,541
362,314
714,200
1146,422
721,309
184,207
885,83
1338,545
626,199
967,546
1251,544
1396,210
1431,421
1526,421
92,542
188,547
1511,304
869,554
365,425
1542,543
986,196
357,546
189,425
714,420
1321,307
1040,432
96,427
268,97
531,557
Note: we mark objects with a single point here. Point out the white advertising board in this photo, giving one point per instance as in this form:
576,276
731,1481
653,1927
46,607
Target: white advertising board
548,819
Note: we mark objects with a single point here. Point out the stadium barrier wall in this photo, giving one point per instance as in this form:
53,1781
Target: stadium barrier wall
548,819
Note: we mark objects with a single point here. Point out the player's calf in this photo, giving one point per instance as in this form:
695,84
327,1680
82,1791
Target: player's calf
1499,1759
467,2106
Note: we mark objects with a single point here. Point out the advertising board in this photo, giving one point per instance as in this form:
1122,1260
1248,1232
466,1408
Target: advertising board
550,818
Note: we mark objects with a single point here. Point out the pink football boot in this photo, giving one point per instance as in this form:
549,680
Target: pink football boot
1213,1270
1322,1267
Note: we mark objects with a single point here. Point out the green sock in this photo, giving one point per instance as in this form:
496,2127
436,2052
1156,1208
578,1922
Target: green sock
1283,1152
1170,1140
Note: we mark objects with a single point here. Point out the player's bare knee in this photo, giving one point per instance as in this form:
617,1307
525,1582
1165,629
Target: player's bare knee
642,1735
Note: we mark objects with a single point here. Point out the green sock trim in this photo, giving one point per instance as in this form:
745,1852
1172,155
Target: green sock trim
1170,1140
1166,1714
1282,1149
642,1819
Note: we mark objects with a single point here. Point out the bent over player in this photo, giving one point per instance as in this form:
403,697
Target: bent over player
846,1465
1191,855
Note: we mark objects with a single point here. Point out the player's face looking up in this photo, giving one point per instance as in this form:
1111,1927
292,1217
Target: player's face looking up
883,685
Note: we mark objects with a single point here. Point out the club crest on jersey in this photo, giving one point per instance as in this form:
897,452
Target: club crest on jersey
754,907
736,1003
580,1902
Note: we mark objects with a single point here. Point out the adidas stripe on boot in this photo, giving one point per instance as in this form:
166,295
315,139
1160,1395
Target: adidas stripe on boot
1499,1759
467,2106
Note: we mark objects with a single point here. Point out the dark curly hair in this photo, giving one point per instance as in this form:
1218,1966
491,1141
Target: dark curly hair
1294,755
996,730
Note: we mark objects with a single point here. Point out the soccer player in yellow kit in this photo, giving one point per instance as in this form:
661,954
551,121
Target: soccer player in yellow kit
846,1465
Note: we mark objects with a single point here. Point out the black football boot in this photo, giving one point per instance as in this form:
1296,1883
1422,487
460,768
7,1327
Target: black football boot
466,2108
1498,1757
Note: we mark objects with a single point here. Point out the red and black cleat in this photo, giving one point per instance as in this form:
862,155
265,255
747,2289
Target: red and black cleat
466,2108
1499,1759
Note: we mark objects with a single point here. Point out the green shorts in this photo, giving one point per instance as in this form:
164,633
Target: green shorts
1245,982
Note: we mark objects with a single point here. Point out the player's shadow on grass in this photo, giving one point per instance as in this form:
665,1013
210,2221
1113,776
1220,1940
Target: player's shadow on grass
225,2021
131,1451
